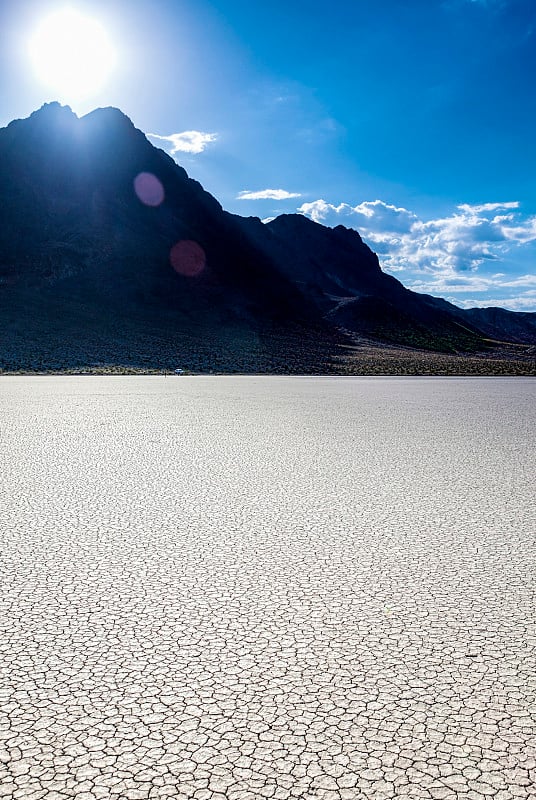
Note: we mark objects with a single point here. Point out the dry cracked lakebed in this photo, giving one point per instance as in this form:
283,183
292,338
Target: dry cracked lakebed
221,588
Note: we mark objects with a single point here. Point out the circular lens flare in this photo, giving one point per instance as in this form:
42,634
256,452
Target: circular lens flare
148,189
71,54
188,258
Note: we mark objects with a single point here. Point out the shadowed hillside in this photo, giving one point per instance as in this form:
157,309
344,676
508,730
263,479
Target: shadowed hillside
111,256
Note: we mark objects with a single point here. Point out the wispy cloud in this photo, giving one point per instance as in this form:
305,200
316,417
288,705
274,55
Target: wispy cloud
187,141
471,283
493,8
268,194
524,302
492,5
486,207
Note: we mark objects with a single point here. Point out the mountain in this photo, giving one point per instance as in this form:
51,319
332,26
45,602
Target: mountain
111,254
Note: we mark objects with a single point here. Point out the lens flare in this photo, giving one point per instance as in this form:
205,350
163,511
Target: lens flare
188,258
149,189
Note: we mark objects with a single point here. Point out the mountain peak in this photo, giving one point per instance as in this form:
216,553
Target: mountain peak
54,109
108,115
77,225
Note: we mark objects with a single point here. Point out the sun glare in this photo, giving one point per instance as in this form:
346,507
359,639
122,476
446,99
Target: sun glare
72,54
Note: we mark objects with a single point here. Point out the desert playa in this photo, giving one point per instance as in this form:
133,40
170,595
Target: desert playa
232,588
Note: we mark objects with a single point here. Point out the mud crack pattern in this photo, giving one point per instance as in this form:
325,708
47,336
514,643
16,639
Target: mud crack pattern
241,588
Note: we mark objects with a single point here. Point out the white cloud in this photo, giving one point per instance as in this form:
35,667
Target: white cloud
187,141
522,233
323,212
461,242
478,209
524,302
469,283
522,280
444,255
267,194
374,215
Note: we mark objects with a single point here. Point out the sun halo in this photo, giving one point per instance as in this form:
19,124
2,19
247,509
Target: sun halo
71,54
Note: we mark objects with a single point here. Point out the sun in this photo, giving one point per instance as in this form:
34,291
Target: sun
71,54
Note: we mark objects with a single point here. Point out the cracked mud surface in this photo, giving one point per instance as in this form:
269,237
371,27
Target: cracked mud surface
241,588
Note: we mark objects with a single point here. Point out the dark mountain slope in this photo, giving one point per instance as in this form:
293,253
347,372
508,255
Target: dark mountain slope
498,323
85,267
339,272
109,252
69,206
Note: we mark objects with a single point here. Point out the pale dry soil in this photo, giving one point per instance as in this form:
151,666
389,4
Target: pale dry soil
229,588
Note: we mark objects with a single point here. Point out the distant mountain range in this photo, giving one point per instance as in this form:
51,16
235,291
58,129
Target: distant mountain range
111,254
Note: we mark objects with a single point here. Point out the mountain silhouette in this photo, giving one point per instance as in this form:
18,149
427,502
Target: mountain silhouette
110,253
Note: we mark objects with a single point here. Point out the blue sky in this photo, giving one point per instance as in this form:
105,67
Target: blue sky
413,122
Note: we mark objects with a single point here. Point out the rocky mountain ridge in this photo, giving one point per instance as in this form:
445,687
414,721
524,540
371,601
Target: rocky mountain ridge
104,238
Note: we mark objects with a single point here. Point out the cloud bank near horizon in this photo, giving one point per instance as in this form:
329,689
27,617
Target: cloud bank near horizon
447,255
